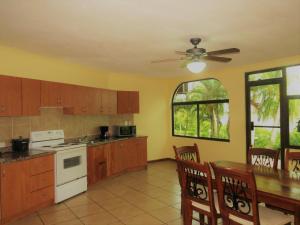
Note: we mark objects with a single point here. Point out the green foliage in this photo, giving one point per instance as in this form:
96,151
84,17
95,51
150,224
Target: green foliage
213,118
266,75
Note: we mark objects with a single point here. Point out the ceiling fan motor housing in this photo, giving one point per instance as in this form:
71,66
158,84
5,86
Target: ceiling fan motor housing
195,41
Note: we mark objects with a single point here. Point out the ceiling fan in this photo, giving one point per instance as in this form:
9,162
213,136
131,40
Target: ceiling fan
195,54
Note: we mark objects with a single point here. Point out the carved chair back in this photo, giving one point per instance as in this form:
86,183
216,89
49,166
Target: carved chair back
187,153
292,161
196,183
263,157
236,194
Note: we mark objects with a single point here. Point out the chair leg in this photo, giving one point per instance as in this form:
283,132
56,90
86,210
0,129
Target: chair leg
182,205
201,219
188,214
209,221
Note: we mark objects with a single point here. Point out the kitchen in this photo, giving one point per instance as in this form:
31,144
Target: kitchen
54,167
73,74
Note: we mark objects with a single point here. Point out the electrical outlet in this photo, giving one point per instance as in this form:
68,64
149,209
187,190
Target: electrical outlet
2,144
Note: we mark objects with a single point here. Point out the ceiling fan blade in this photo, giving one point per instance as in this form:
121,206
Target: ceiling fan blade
167,60
181,53
224,51
216,58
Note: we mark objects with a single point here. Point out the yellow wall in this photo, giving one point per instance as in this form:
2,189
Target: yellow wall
154,120
233,81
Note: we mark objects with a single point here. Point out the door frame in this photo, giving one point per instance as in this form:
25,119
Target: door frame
283,107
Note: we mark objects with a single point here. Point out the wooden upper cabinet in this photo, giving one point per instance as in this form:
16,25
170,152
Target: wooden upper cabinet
10,96
51,94
128,102
108,102
134,101
31,97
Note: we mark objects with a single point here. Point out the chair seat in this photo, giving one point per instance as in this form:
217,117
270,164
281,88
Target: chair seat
206,207
267,217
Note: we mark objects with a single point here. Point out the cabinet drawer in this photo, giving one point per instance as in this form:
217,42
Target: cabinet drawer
41,164
41,181
41,196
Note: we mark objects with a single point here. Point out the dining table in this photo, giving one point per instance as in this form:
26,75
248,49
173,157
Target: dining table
276,188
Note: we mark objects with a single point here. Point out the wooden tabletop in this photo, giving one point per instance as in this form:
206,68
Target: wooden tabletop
278,183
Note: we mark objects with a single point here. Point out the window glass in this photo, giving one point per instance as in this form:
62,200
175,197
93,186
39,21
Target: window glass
265,75
293,80
185,120
214,120
265,137
294,119
202,90
201,110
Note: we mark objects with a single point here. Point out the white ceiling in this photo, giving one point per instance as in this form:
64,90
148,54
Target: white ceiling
125,35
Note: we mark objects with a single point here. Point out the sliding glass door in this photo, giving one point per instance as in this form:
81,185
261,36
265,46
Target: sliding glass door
273,109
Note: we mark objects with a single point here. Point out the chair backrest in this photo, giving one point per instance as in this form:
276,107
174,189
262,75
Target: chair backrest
196,183
292,161
187,153
263,157
236,194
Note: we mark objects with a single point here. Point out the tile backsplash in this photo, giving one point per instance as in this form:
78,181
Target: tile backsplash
53,118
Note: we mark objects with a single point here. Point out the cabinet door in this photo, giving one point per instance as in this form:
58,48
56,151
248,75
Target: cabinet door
31,97
51,93
134,106
97,163
13,189
141,148
67,95
109,102
117,157
10,96
123,103
132,154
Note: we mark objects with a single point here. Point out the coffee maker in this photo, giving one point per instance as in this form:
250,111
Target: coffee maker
104,132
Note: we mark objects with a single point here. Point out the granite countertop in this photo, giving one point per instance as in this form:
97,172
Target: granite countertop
96,142
7,156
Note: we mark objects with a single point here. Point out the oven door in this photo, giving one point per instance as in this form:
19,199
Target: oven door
70,165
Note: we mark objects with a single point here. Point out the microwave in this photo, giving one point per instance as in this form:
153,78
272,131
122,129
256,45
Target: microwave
124,131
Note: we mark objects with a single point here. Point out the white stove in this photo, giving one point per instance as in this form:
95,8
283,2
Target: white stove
70,162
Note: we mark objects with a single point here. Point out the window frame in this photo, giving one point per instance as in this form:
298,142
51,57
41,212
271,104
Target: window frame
284,111
197,103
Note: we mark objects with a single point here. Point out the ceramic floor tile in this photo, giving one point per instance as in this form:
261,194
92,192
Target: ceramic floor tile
126,212
78,200
55,208
166,214
32,220
86,210
143,219
149,205
57,217
102,218
113,203
71,222
99,195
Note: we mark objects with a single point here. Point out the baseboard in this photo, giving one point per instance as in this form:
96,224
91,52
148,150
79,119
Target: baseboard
161,160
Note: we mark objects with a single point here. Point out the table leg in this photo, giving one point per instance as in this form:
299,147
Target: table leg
297,217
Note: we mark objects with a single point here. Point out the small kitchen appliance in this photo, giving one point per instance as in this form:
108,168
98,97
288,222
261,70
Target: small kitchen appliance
104,132
20,144
124,131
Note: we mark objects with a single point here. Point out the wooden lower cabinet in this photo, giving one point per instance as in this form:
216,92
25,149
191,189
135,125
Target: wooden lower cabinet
116,157
97,162
24,190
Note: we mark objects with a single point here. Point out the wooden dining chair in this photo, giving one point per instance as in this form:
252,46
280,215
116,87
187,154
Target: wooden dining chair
238,199
292,161
186,153
198,194
263,157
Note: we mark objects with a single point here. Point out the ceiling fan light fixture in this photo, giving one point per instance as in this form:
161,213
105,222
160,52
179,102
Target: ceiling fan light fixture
196,66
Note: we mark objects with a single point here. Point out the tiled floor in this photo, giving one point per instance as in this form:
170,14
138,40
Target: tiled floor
148,197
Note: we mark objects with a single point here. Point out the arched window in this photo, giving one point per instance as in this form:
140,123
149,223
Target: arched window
200,109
